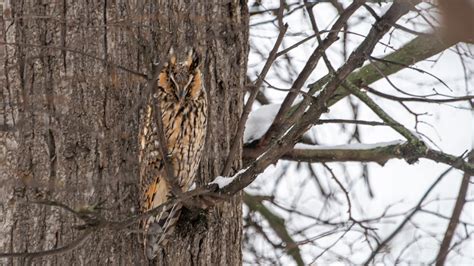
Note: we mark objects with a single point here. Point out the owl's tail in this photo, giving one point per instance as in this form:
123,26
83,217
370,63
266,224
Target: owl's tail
158,228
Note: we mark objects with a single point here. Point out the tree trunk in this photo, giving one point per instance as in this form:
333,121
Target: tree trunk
70,115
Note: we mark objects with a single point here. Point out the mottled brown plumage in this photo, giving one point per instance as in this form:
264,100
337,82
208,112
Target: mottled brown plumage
183,103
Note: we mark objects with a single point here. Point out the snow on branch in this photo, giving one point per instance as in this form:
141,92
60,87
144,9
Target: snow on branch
259,122
223,181
352,146
379,152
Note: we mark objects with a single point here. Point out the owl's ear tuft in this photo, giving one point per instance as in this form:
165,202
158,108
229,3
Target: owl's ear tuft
194,59
189,58
172,57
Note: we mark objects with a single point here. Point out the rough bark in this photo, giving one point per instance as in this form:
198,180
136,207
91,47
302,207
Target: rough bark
70,123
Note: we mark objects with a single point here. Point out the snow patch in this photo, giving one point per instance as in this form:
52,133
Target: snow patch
192,187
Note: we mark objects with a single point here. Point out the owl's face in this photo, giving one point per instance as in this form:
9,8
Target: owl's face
183,79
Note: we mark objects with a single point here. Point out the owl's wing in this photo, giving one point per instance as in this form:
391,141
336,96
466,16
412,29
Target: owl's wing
150,159
155,190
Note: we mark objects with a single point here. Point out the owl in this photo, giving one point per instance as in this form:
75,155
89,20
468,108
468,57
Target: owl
183,105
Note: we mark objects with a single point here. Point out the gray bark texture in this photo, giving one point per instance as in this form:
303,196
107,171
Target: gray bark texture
69,118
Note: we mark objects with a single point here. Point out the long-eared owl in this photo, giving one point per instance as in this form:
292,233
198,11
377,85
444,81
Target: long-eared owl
183,104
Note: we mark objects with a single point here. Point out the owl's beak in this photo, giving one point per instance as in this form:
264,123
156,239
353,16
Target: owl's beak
183,93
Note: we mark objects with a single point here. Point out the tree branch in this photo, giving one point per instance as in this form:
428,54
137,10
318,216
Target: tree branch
29,256
277,224
85,54
453,222
419,49
380,155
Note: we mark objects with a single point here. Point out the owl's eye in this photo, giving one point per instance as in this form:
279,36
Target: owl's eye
164,83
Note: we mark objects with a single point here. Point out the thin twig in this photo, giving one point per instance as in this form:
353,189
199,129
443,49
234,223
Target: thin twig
68,247
349,121
381,113
341,186
416,99
74,51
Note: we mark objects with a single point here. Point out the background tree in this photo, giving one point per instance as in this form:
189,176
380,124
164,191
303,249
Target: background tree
76,75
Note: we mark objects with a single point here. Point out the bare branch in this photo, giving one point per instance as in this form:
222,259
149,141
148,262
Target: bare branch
382,114
29,256
417,50
277,224
379,155
418,99
454,221
399,228
71,50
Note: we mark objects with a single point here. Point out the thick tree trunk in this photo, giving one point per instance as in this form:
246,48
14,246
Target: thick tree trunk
70,121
